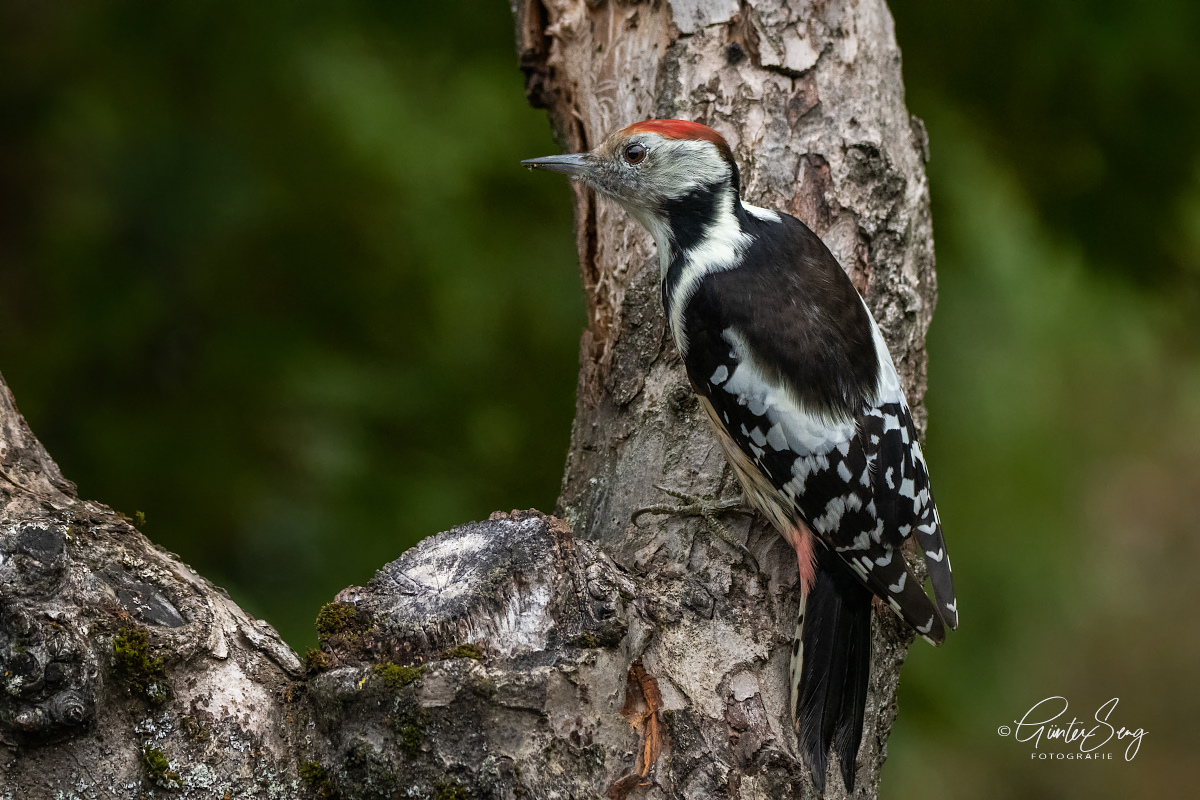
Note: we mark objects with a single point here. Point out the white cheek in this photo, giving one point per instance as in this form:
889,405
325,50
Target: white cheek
682,166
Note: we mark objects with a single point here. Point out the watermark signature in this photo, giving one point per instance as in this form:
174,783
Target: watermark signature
1055,739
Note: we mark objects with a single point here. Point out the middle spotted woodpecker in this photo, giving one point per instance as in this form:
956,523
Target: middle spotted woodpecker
794,375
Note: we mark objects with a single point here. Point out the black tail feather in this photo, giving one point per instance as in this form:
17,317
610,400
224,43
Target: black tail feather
836,669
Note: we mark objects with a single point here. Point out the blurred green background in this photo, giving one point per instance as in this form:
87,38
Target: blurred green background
269,274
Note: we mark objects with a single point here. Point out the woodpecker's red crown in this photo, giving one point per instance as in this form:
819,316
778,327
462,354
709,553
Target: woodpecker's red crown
682,129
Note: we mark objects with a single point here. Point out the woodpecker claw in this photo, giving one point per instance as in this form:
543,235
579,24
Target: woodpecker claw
706,509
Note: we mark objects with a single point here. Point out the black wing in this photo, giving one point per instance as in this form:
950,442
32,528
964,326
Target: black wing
856,477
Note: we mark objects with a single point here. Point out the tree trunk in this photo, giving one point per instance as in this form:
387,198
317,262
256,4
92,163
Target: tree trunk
575,656
809,96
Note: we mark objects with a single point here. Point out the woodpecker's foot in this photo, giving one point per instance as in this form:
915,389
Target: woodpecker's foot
708,510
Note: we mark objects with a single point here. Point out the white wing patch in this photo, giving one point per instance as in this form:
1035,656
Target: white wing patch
808,436
889,389
805,433
765,214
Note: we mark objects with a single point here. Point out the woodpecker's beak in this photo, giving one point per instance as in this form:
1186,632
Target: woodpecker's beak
574,164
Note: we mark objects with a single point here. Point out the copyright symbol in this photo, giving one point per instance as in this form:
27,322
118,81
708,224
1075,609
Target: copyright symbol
1004,730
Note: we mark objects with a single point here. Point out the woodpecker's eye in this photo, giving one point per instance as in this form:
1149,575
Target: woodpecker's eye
635,153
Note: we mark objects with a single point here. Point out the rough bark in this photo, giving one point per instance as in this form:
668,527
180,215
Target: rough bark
525,656
114,654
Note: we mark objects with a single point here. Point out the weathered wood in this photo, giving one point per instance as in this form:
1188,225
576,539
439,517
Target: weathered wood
78,583
531,656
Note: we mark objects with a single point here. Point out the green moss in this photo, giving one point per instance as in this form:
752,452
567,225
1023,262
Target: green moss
450,790
409,736
409,726
341,628
465,651
340,619
315,661
396,676
142,676
312,774
316,778
158,769
585,640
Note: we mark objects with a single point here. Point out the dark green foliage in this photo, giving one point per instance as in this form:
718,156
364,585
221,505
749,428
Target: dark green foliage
1065,178
142,676
273,275
158,769
396,676
1093,105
